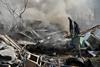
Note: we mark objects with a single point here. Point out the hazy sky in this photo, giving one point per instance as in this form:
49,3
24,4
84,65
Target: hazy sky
97,11
85,12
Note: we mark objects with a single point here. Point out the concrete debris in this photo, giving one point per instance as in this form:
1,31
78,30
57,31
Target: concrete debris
48,47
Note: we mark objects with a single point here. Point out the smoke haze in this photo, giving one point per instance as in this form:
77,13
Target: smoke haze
84,12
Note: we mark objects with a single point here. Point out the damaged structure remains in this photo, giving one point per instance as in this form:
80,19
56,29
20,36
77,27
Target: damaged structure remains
38,46
37,43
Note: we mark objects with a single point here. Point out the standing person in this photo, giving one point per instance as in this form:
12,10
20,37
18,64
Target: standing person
71,29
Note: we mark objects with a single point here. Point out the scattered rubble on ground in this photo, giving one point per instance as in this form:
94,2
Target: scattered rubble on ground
38,46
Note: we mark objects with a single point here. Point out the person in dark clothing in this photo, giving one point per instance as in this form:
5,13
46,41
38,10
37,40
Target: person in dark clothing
76,29
71,26
71,29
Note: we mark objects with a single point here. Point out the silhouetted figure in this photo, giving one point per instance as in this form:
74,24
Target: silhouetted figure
71,26
76,29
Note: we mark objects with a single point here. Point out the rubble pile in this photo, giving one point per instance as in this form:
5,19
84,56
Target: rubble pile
39,34
44,38
47,46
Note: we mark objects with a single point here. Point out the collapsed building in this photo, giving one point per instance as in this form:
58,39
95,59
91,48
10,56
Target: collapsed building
37,46
40,44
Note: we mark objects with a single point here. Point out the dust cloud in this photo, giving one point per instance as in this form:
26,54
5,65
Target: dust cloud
51,12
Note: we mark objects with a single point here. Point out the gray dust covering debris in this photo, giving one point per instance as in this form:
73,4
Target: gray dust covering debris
49,33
